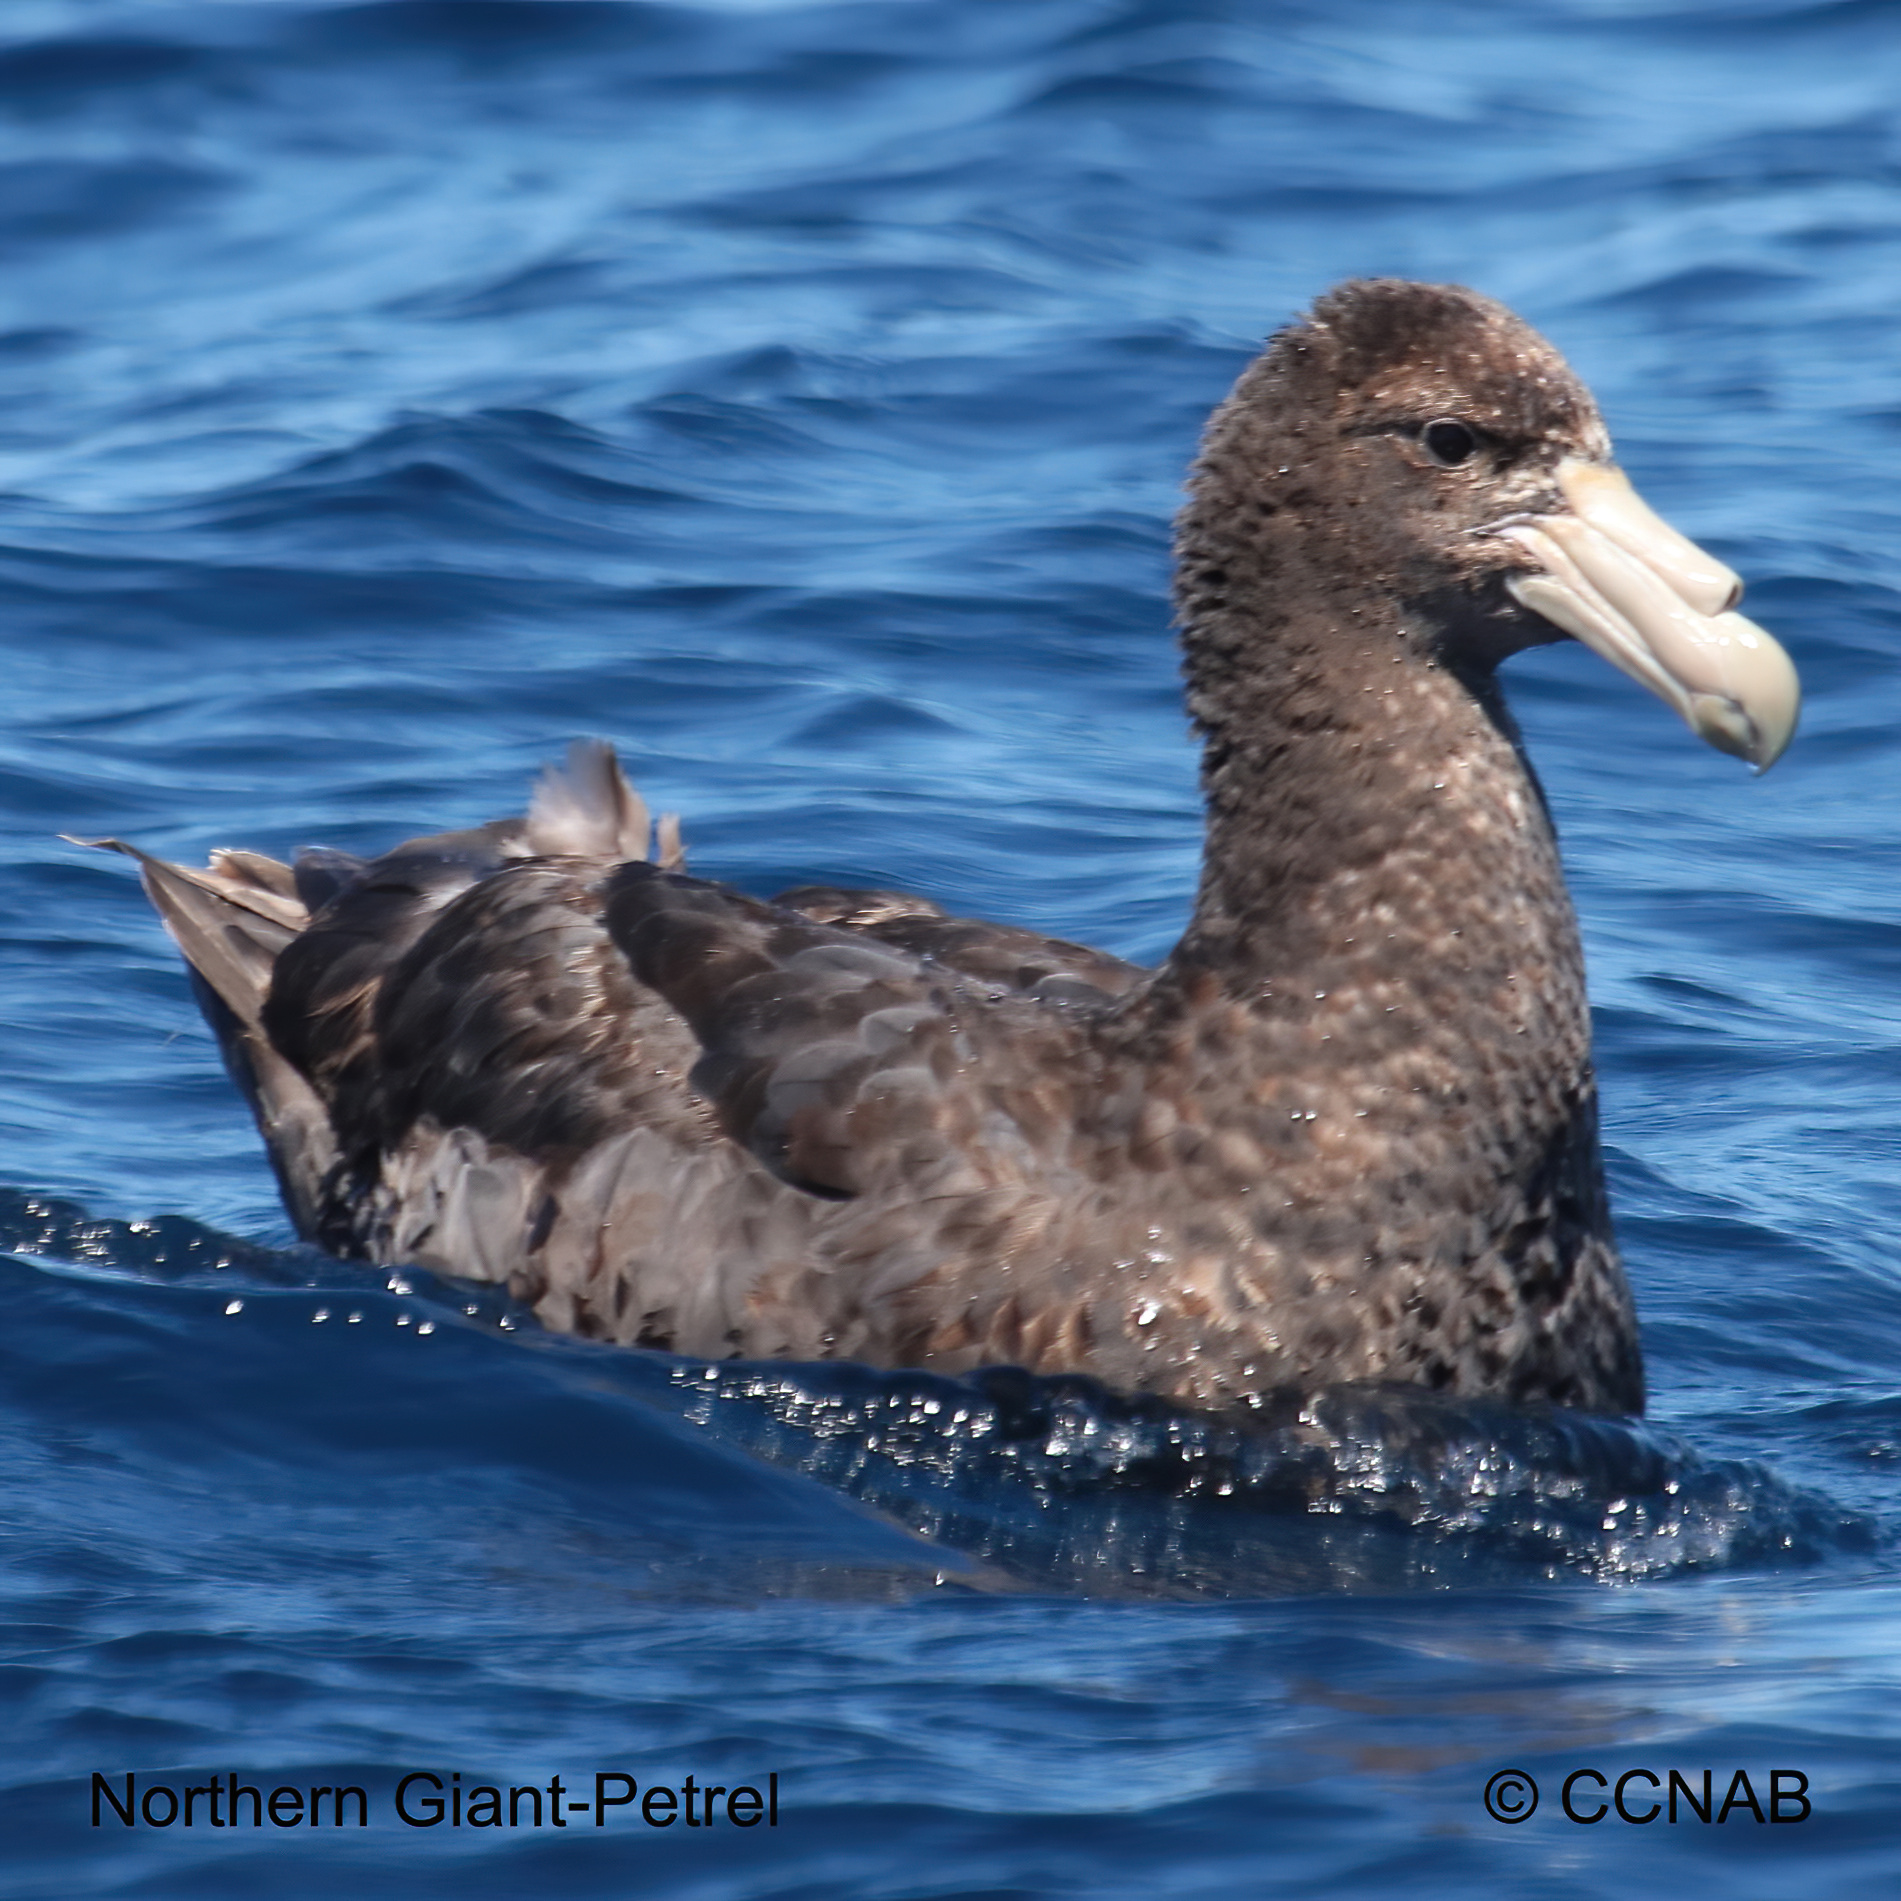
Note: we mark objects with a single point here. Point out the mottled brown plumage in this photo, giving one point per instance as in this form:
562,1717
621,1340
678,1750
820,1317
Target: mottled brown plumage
1346,1132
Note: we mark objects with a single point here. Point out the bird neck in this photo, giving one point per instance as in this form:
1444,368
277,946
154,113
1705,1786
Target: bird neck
1380,861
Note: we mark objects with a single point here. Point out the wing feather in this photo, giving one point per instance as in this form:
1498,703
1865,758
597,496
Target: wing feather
842,1064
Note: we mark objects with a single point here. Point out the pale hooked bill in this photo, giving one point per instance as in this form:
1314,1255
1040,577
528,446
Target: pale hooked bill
1650,601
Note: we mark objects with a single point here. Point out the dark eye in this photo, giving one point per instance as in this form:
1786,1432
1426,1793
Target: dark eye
1448,442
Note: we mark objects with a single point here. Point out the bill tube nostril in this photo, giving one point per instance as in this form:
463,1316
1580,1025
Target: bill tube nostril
1600,494
1651,602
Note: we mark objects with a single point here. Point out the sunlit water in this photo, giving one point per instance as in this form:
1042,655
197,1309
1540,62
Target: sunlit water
798,396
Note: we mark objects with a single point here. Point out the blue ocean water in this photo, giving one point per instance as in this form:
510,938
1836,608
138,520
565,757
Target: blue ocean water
798,395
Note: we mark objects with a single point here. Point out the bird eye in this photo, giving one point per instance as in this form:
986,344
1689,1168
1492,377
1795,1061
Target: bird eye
1448,442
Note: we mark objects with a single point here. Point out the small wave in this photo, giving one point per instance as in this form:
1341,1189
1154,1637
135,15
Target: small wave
56,201
1059,1484
47,1227
497,30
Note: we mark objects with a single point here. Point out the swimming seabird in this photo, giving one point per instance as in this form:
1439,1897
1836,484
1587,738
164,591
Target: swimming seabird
1346,1131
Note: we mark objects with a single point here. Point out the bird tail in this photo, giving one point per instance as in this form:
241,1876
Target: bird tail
232,920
